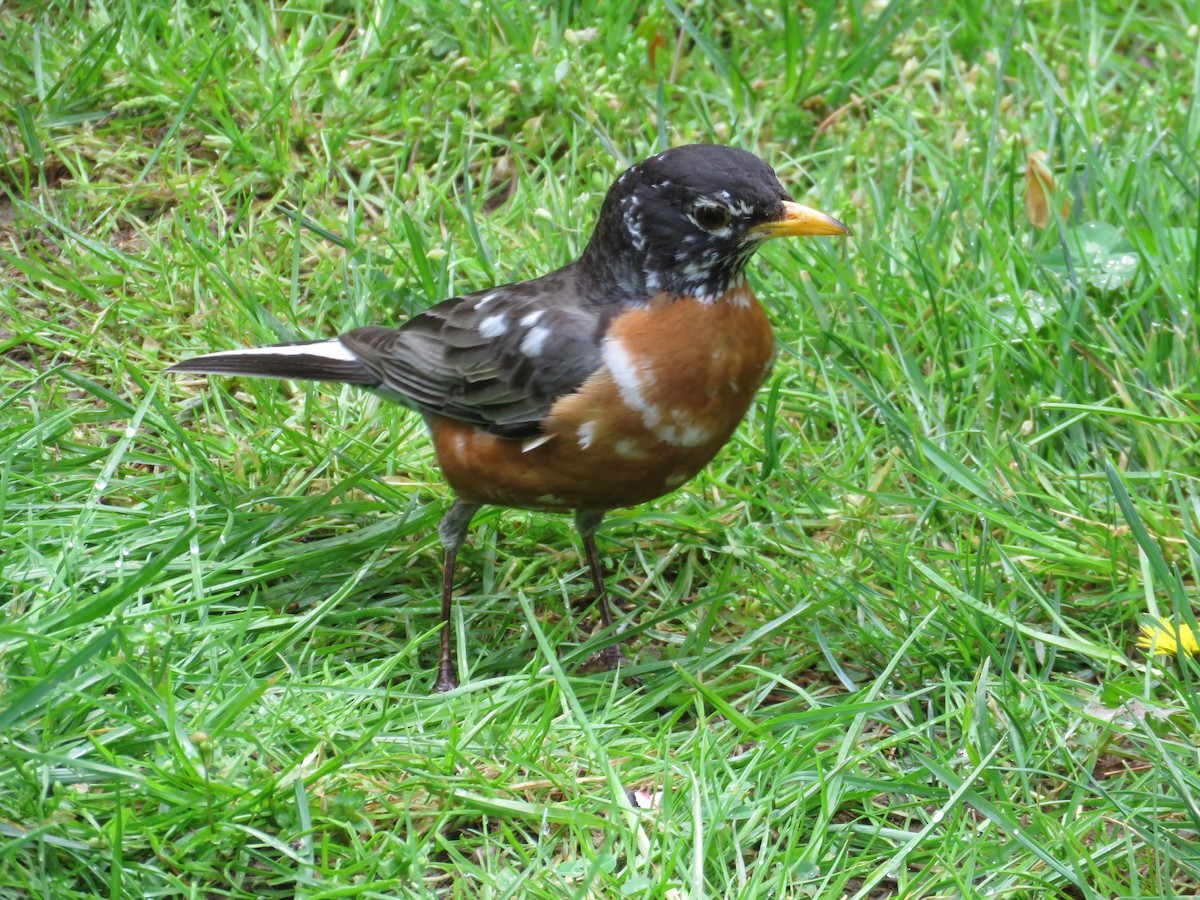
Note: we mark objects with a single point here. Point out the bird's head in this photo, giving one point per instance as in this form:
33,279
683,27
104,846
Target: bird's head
686,221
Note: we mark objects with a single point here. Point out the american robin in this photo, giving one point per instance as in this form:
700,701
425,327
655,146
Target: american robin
604,384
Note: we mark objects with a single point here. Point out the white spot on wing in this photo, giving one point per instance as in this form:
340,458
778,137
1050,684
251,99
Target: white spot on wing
493,326
535,341
486,299
531,318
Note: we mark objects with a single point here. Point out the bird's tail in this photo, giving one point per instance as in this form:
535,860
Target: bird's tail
304,361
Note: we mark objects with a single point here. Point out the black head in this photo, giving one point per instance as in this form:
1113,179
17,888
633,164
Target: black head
686,221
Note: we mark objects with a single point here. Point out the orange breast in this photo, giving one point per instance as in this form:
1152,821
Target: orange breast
678,376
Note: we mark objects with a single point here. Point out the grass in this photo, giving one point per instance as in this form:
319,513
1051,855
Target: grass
887,640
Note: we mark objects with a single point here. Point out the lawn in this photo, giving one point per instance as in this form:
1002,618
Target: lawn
888,641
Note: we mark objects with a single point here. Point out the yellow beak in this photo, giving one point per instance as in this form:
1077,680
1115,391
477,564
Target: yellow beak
799,220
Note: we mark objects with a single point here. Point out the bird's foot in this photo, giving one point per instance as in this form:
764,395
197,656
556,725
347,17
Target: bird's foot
446,681
606,660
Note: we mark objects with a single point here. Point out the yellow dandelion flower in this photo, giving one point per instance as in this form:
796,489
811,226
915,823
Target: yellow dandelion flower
1161,637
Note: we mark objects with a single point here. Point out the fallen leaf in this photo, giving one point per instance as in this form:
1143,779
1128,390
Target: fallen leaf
1039,185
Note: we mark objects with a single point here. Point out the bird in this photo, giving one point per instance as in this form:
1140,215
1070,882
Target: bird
605,384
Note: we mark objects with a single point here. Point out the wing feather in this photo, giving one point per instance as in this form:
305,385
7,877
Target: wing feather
473,358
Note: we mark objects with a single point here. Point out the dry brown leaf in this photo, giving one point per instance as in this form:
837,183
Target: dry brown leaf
1039,185
1040,190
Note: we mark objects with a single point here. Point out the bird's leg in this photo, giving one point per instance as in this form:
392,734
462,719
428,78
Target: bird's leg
453,531
593,561
588,521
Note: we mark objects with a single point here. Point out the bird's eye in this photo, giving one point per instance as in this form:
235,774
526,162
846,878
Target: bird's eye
711,217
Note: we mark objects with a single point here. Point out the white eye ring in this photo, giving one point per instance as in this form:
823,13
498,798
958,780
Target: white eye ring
711,216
